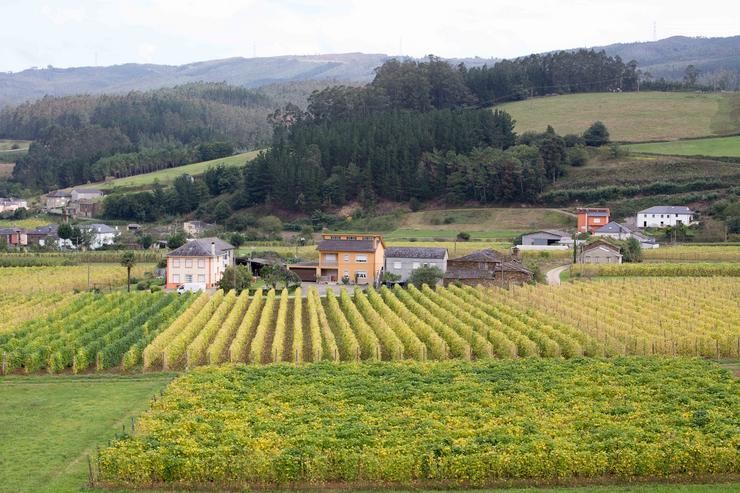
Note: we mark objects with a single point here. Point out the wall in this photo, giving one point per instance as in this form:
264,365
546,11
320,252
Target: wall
661,222
407,265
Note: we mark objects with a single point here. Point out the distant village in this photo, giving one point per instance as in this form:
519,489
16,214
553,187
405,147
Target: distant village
361,259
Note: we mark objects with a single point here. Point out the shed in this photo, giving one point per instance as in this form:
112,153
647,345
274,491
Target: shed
600,252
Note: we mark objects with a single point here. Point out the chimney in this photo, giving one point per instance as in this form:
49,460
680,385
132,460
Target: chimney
213,249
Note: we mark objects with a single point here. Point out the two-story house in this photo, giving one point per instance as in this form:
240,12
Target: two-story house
199,261
356,257
592,218
100,234
402,261
662,216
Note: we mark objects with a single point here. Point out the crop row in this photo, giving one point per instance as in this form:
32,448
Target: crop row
372,325
691,316
91,331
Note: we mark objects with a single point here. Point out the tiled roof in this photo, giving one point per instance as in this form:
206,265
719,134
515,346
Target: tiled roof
601,244
201,248
453,273
667,209
58,193
87,190
487,255
50,229
613,227
346,246
99,228
416,252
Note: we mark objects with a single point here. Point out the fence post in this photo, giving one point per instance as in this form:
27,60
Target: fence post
90,476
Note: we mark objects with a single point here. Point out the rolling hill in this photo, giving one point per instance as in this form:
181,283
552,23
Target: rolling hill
714,57
633,116
669,57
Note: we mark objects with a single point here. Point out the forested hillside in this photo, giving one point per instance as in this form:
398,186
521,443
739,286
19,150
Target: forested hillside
415,132
86,138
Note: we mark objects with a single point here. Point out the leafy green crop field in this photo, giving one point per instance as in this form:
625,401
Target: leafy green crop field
435,424
49,425
715,147
168,176
631,116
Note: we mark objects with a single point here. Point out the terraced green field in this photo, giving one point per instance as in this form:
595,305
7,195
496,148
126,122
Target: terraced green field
714,147
167,176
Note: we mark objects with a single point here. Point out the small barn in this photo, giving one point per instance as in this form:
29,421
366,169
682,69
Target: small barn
546,237
600,252
486,267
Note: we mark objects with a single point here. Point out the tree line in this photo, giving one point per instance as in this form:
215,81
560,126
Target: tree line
78,139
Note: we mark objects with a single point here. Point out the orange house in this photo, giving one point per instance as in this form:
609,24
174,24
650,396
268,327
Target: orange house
358,257
592,218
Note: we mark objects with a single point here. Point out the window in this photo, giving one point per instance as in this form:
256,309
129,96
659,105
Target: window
361,274
176,262
653,215
201,278
346,273
415,265
397,265
188,278
597,220
346,257
426,264
176,278
351,238
201,264
361,259
334,237
188,262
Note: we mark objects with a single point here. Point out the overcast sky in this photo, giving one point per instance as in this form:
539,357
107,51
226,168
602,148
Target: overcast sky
66,33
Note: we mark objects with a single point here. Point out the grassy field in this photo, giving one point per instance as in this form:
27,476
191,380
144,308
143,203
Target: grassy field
50,424
631,117
482,223
30,223
643,169
6,169
7,145
167,176
717,147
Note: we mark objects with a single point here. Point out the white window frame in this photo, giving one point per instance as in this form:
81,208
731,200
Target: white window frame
361,274
188,262
188,278
397,265
176,278
175,262
361,259
201,263
415,265
201,278
346,257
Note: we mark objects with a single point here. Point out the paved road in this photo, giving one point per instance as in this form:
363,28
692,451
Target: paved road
553,275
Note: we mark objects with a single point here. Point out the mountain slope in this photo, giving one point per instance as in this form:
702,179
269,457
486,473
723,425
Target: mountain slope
669,57
245,72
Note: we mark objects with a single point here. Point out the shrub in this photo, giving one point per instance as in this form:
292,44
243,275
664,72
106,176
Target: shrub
577,156
463,236
596,135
